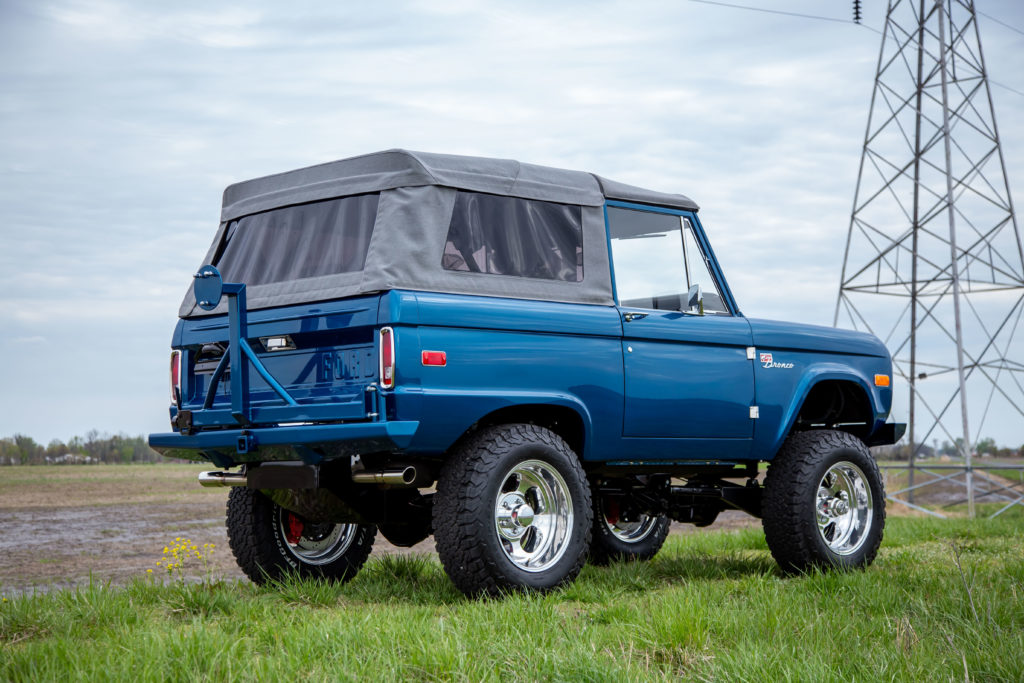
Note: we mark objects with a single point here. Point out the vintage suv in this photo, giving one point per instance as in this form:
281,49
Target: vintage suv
538,366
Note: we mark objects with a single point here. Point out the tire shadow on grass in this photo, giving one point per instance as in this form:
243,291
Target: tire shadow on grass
407,579
670,570
417,579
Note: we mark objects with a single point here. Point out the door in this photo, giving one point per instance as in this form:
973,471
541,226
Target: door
687,369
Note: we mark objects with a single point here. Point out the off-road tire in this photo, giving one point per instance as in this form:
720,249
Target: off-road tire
607,547
263,553
465,510
789,505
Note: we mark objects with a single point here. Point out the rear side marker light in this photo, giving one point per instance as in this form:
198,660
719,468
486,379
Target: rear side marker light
881,380
176,377
435,358
387,358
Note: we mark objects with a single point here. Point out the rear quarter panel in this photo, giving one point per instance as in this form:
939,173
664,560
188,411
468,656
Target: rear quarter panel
501,353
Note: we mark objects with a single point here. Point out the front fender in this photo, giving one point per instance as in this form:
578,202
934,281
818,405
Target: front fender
778,417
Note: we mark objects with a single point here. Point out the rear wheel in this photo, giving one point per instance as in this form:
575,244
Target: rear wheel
512,512
824,502
622,532
269,541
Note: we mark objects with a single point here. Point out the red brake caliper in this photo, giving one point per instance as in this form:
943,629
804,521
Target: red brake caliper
611,510
293,528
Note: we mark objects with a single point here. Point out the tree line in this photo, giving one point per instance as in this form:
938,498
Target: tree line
986,447
102,448
93,448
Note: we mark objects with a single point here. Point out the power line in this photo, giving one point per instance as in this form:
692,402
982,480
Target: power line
1003,85
788,14
847,21
835,19
989,16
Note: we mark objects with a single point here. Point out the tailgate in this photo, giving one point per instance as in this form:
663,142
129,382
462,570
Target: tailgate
323,356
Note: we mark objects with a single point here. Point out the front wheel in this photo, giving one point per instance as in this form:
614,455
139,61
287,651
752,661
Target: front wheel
824,502
269,541
512,512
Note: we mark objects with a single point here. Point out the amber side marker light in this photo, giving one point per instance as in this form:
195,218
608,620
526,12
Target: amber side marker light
881,380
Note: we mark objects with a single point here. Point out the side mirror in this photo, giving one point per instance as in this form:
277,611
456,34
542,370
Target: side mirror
695,300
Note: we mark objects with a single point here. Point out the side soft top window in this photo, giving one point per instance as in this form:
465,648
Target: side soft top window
657,258
513,236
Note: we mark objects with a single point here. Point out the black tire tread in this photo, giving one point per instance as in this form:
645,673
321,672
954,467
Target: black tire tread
250,527
605,548
790,532
459,515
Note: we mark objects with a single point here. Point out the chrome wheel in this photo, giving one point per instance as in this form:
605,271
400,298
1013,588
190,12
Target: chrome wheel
315,543
533,515
631,531
844,508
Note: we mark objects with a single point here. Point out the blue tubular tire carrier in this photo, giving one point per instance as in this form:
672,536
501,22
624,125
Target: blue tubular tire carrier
222,446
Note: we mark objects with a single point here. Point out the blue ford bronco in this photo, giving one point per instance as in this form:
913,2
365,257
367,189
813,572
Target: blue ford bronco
540,367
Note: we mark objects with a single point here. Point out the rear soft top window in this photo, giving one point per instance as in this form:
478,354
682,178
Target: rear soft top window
296,242
512,236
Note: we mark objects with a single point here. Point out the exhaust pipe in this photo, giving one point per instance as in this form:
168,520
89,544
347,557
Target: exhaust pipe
217,478
403,477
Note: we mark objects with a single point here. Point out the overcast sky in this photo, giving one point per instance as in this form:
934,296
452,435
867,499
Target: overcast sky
122,122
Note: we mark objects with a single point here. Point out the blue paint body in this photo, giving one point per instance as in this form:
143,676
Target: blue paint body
668,387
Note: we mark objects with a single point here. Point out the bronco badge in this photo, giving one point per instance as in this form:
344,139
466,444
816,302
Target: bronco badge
767,362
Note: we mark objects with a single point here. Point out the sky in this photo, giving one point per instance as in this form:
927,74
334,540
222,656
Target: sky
122,122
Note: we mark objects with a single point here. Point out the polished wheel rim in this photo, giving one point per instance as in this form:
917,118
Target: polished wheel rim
632,531
533,515
315,543
844,508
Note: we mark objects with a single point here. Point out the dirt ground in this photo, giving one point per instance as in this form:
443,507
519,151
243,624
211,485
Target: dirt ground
66,524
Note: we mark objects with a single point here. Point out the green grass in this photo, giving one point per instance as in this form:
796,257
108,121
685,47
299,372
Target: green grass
710,606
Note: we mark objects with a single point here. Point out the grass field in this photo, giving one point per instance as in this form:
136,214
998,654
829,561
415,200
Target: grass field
943,601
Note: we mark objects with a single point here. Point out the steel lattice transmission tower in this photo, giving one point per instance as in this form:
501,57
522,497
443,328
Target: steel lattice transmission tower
934,263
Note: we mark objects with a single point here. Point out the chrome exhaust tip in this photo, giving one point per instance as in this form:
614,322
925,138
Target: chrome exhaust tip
218,478
400,477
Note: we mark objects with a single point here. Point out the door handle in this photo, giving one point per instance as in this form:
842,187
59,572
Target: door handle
631,316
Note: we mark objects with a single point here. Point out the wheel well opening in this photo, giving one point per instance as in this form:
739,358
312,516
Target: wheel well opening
563,421
836,404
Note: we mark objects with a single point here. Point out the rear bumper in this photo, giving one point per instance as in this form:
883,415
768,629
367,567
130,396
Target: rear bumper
310,443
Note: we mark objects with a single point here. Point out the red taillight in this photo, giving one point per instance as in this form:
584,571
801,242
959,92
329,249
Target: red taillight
387,358
435,358
176,377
